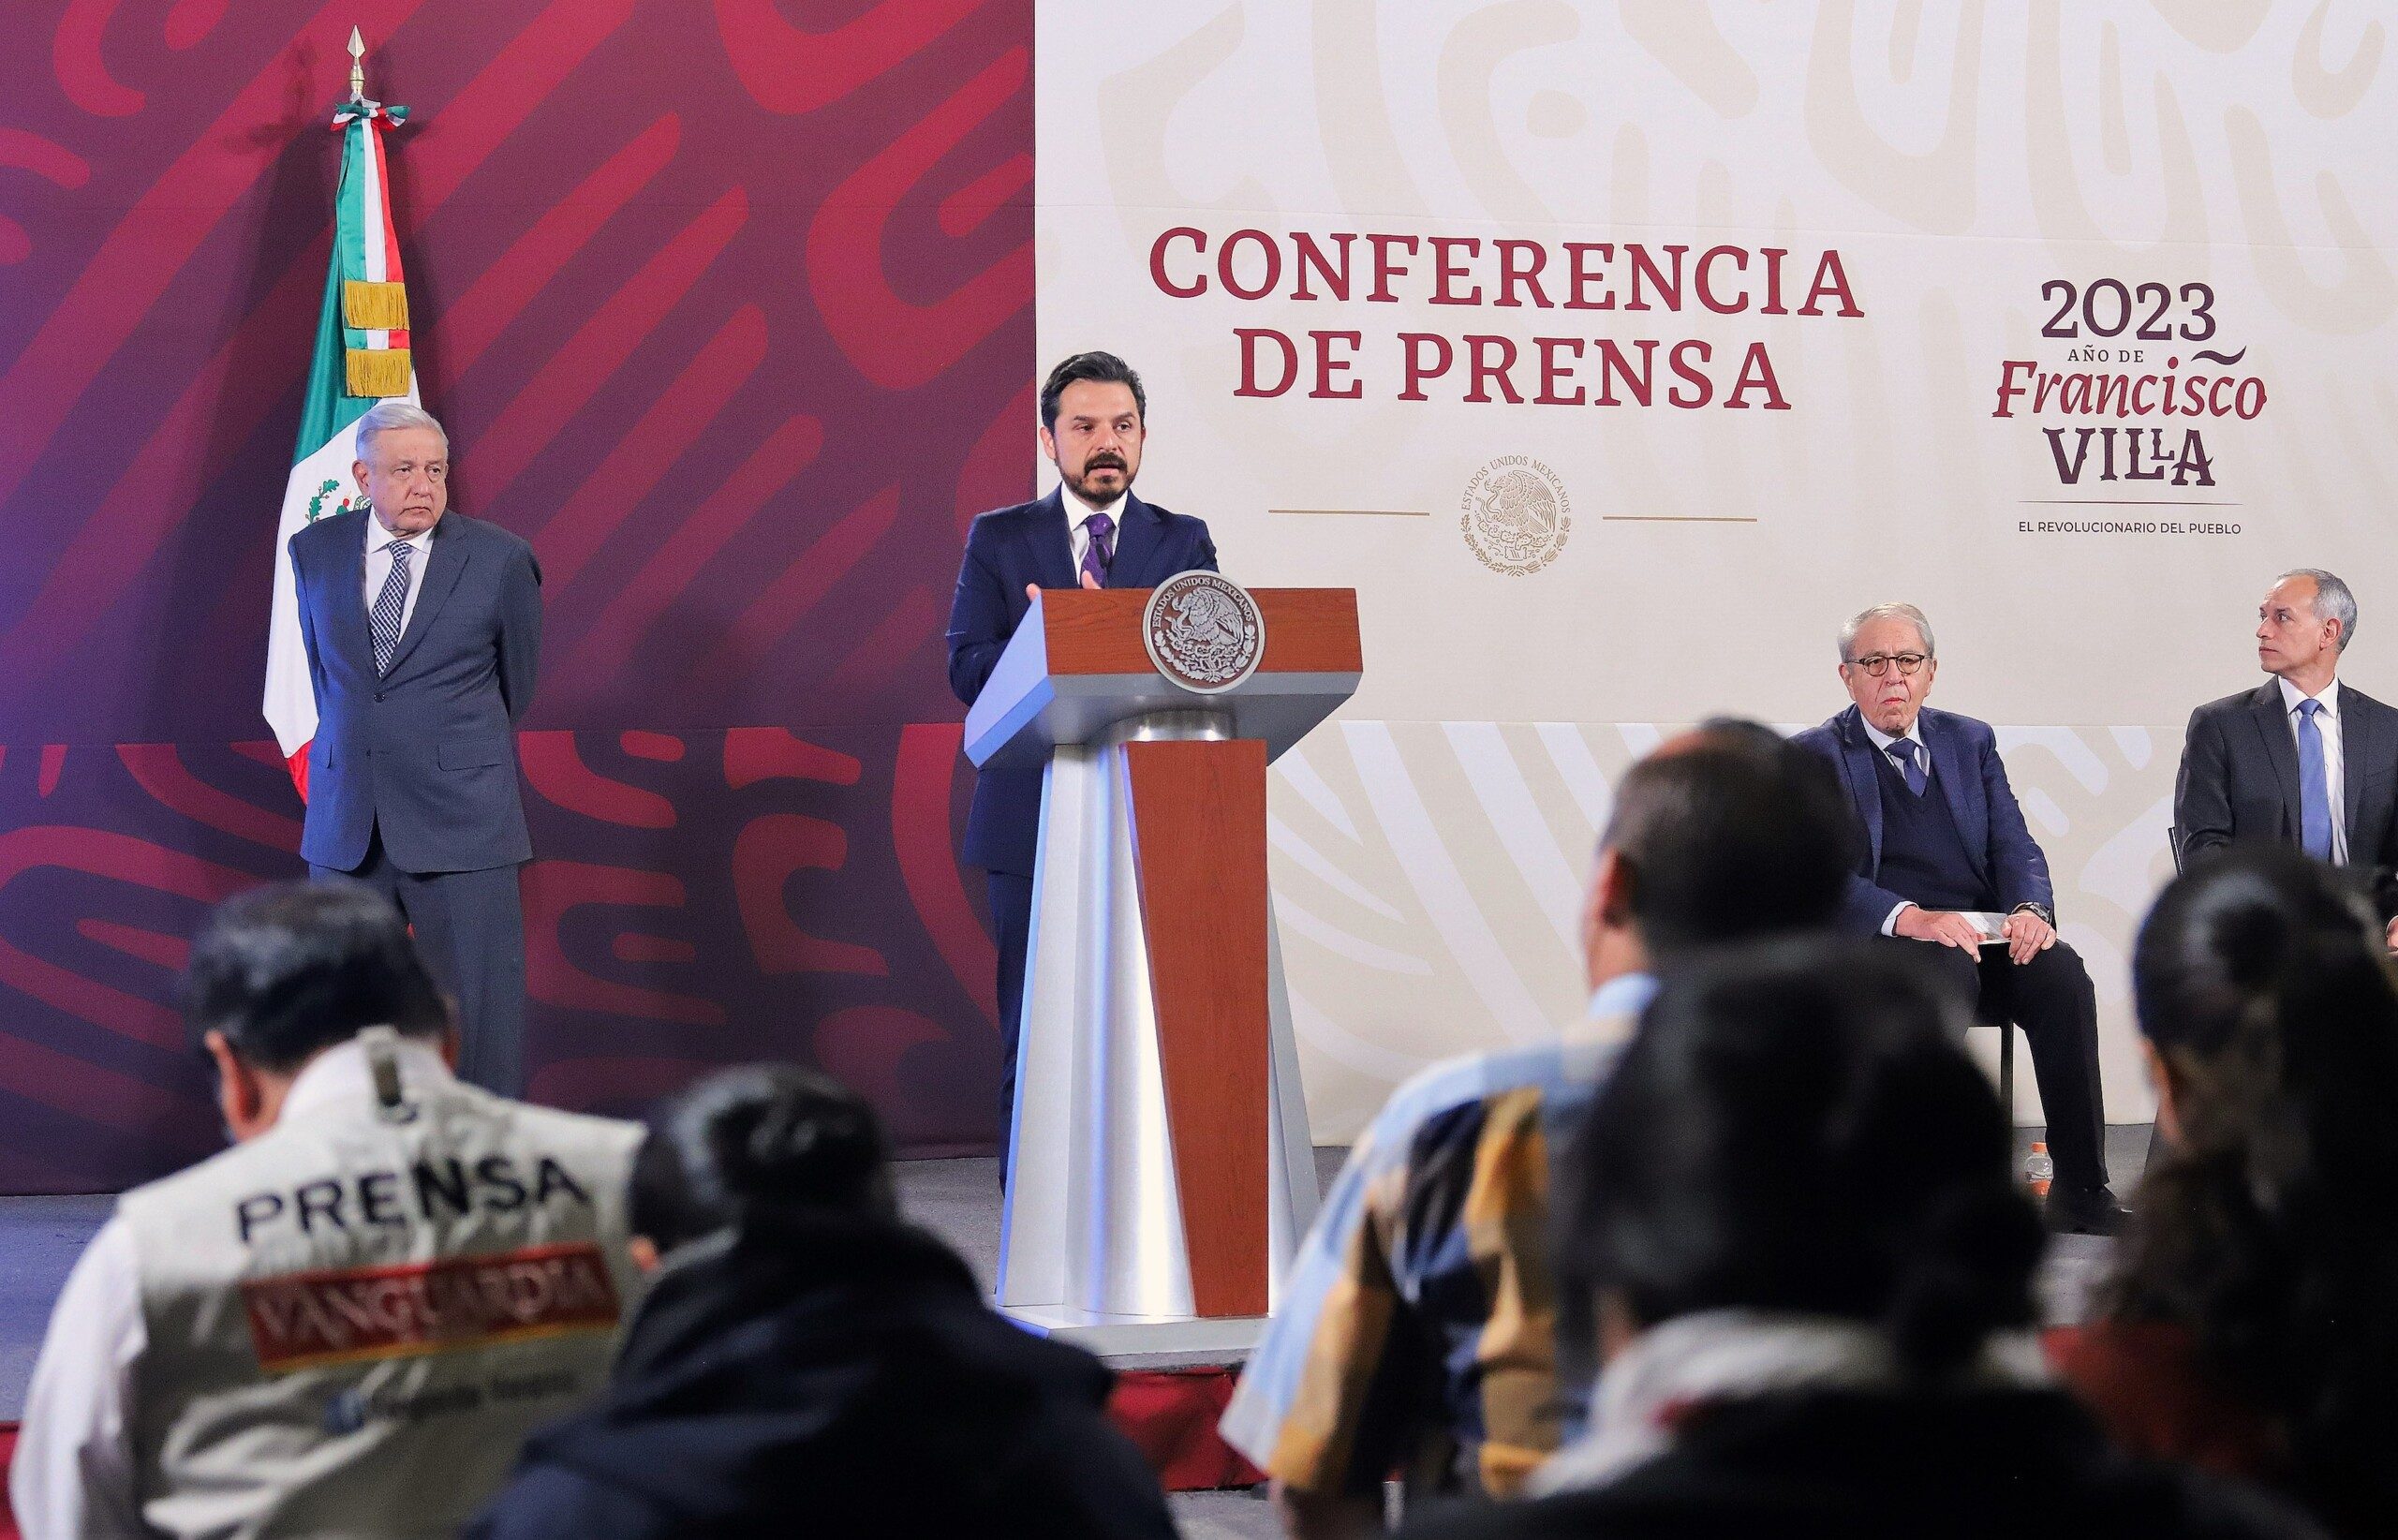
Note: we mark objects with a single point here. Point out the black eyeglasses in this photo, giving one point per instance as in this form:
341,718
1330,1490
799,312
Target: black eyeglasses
1878,663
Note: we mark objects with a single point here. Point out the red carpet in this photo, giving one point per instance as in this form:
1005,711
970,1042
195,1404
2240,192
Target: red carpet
1170,1416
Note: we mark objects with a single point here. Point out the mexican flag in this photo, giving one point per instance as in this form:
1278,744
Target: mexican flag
361,357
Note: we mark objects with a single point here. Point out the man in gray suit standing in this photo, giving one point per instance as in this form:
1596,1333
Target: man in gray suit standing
423,631
2305,759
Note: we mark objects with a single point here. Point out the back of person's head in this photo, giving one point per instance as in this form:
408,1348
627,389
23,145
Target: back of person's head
287,971
1726,834
2264,988
756,1142
1795,1130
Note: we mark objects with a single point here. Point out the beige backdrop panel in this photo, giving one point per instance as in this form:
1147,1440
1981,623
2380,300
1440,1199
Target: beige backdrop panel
1428,845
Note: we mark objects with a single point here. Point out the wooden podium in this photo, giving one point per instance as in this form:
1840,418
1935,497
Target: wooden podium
1161,1174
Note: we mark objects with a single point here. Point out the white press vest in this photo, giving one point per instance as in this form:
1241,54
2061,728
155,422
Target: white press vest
355,1318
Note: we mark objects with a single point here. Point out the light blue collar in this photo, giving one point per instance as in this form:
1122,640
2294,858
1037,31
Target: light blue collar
1625,995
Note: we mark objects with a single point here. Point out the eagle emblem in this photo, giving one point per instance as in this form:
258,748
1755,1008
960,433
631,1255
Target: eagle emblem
1203,632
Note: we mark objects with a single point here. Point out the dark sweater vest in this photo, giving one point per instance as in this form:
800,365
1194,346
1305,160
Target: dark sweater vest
1923,856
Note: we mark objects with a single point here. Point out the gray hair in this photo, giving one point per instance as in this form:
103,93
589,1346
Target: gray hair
1907,613
384,416
2333,599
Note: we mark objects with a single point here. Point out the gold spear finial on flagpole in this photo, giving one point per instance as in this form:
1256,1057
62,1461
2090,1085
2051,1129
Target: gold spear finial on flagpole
357,65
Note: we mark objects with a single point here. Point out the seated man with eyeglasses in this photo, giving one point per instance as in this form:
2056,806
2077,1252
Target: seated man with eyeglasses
1944,840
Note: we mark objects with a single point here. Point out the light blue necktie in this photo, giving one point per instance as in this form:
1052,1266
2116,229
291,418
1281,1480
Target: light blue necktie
2314,785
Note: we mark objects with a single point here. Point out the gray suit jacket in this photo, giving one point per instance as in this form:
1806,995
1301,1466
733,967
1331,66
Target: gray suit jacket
426,752
2239,780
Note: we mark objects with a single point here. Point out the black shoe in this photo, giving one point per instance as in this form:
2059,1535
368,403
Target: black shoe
2085,1211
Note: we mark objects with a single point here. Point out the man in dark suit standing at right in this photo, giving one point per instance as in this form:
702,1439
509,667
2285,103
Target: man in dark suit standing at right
423,632
2304,759
1091,532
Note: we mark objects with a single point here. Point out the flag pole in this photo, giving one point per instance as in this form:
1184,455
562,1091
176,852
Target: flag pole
362,356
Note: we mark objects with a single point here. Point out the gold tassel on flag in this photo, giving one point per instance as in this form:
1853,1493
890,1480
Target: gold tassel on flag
373,307
377,371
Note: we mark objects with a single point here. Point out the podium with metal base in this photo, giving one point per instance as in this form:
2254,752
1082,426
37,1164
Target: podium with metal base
1161,1173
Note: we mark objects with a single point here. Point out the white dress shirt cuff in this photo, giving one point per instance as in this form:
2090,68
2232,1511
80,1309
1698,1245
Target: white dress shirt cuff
1890,921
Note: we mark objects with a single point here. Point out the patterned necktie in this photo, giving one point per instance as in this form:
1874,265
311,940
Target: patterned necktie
1101,552
390,604
1906,754
2314,785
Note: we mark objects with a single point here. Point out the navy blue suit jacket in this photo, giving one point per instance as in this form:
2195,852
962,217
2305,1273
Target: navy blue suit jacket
1006,549
1968,774
427,751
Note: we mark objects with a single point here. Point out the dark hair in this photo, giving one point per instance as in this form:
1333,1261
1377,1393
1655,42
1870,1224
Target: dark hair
759,1139
1795,1127
1741,732
2266,1231
1104,368
1736,834
289,969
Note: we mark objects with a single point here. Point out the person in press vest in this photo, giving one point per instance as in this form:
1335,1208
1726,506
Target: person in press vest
348,1323
1945,839
1091,532
2304,759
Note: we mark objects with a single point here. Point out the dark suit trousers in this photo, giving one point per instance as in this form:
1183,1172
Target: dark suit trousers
1012,917
2051,1000
471,927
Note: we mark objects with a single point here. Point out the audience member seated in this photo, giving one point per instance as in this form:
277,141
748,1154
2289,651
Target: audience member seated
1793,1214
2252,1324
1416,1327
808,1364
345,1324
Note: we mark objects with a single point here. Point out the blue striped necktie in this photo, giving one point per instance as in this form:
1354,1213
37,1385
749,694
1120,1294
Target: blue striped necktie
391,605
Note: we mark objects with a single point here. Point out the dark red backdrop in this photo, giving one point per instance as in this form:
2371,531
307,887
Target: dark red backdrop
728,309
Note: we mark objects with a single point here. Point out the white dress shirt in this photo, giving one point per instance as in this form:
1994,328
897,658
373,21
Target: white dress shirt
1882,742
73,1471
1078,529
72,1474
378,565
2327,721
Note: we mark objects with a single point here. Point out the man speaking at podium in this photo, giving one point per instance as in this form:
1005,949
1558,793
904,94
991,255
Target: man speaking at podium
1092,532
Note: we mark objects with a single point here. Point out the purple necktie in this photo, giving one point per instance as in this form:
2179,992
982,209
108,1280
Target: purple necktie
1102,547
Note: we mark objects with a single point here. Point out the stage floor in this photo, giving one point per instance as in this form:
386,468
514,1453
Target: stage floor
957,1200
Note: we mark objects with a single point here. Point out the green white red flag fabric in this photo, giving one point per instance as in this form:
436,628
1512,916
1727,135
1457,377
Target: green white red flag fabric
362,356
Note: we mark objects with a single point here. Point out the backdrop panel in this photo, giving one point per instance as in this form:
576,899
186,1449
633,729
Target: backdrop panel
1615,352
728,311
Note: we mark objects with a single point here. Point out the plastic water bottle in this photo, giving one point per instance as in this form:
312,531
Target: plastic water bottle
2038,1170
